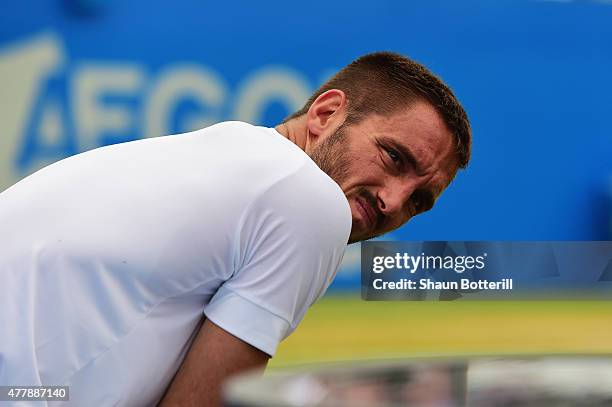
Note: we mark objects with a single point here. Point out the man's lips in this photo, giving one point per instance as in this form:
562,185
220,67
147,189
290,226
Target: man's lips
367,212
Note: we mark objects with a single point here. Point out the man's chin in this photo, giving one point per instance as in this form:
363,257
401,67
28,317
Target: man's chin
359,237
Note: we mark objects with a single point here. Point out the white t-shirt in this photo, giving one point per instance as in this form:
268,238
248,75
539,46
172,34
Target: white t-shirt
109,258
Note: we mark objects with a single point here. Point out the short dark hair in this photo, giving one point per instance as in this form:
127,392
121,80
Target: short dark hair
384,82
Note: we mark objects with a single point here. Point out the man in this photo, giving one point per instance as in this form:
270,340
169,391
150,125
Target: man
169,264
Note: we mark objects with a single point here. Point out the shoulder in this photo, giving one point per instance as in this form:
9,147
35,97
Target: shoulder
229,126
283,182
307,205
251,145
233,130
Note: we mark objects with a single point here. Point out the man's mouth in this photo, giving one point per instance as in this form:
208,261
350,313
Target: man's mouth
367,212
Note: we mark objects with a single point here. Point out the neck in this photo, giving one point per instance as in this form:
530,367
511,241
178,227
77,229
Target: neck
295,130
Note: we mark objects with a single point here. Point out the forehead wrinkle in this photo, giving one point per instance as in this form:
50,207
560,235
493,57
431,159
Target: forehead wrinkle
427,137
437,178
437,158
423,157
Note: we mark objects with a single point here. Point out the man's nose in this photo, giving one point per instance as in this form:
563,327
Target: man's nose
393,198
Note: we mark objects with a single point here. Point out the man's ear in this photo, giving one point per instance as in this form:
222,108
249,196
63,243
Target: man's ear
326,114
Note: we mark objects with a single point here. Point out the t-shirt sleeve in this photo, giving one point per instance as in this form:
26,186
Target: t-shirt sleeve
290,242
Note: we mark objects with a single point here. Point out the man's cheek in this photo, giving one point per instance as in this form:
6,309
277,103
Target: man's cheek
355,213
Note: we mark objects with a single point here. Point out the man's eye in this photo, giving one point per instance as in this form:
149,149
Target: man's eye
394,156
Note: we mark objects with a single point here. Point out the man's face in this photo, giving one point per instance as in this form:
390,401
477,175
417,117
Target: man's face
390,168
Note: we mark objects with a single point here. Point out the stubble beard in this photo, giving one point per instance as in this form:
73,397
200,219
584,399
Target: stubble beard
332,158
330,155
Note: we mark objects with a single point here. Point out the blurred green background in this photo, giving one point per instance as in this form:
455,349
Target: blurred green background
343,327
